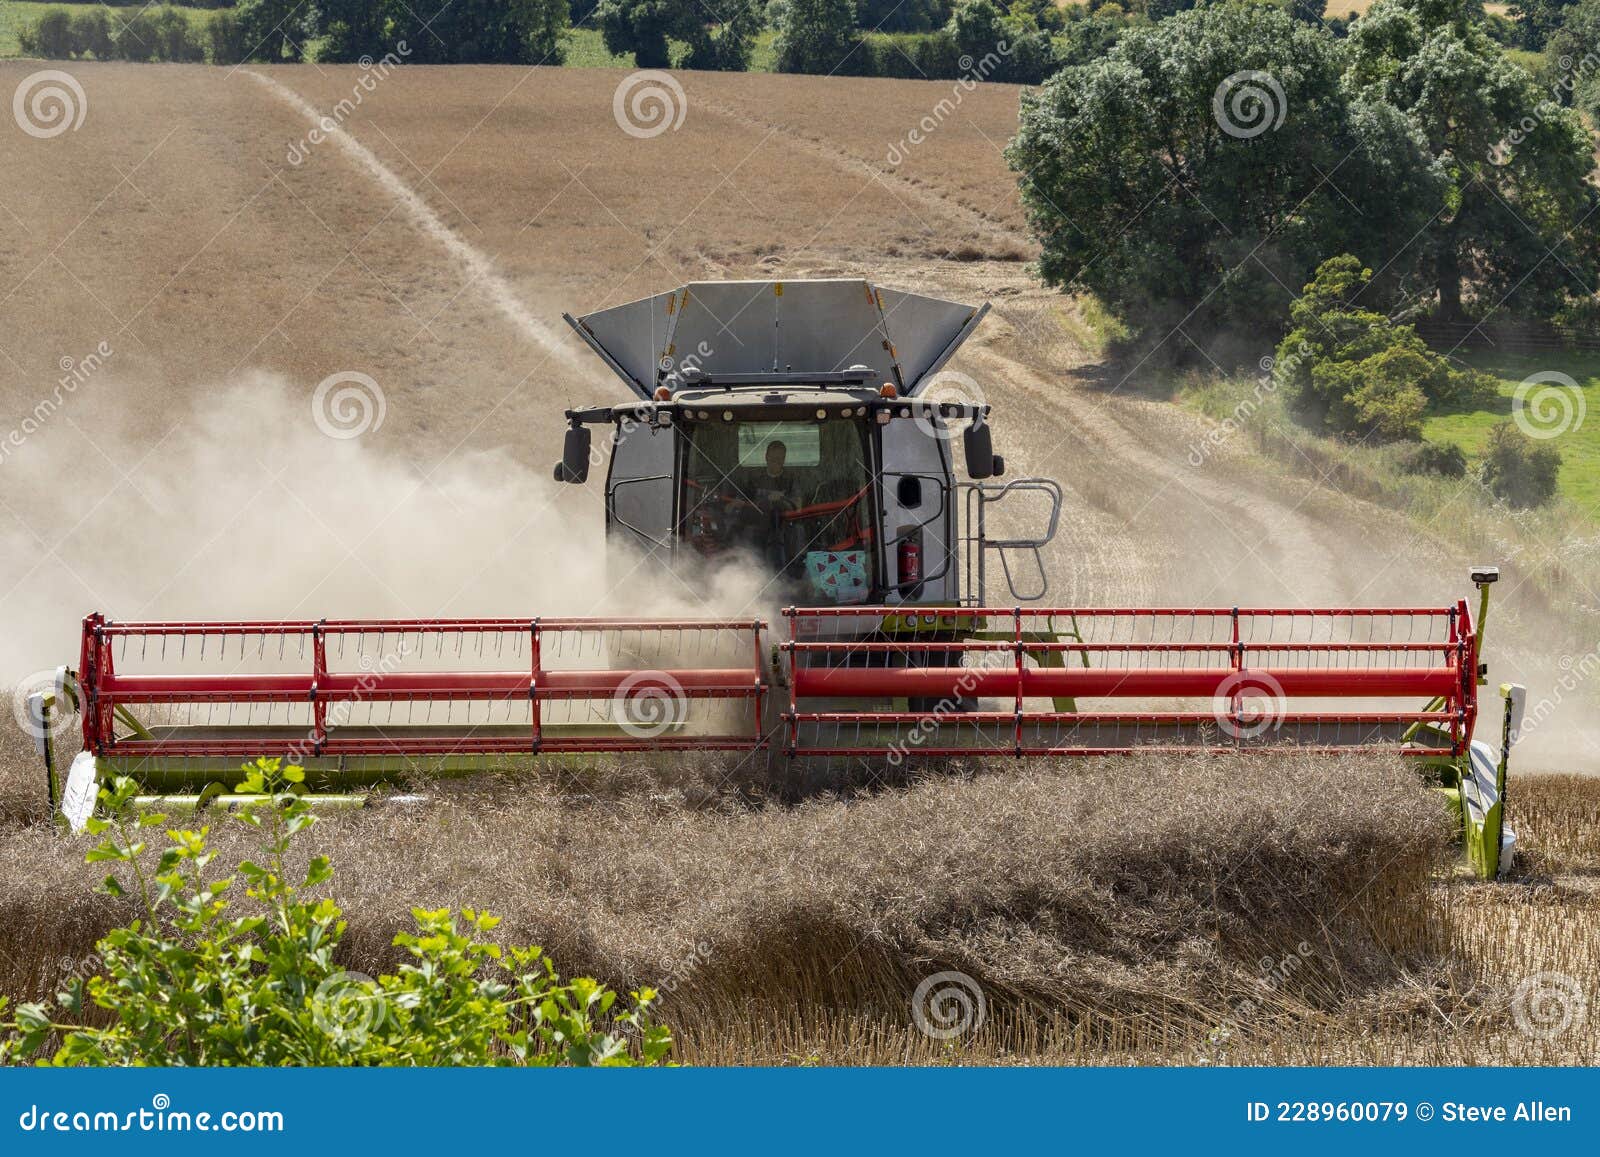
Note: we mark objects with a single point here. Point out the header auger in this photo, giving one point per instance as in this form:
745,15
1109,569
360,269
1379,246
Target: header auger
792,423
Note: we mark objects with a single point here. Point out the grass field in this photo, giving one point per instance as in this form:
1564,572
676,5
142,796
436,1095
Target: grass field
1579,444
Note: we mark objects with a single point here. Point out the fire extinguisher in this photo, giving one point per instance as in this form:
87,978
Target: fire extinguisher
910,560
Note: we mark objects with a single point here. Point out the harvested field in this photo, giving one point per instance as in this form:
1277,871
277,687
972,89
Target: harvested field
1116,911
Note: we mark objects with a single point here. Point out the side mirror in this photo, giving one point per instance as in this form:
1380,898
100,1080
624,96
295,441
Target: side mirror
979,448
908,491
999,467
574,464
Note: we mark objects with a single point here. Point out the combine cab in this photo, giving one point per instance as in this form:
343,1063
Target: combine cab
804,429
807,428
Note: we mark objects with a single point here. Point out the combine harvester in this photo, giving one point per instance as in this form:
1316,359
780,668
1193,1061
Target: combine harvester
805,427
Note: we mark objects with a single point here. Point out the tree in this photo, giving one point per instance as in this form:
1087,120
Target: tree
902,15
1514,223
1572,57
1158,177
1537,20
1002,46
1350,370
91,32
458,32
51,36
226,39
1519,470
726,46
273,30
352,29
175,39
817,36
641,27
136,38
481,31
720,36
1089,34
1444,459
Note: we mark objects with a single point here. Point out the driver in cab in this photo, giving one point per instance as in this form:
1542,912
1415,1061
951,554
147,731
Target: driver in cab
776,485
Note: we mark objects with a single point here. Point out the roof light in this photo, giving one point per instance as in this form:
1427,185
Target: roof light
663,393
727,415
821,415
888,391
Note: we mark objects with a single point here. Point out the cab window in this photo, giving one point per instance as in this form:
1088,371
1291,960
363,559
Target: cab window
797,494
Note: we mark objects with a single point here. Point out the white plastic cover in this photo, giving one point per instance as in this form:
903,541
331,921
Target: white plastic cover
81,792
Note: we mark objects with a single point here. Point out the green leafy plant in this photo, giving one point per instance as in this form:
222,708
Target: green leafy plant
1518,469
1444,459
1350,370
200,980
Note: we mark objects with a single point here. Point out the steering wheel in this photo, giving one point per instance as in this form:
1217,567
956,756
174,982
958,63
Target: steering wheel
710,523
837,506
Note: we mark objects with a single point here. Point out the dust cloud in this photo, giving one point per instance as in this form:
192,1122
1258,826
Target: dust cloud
249,510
